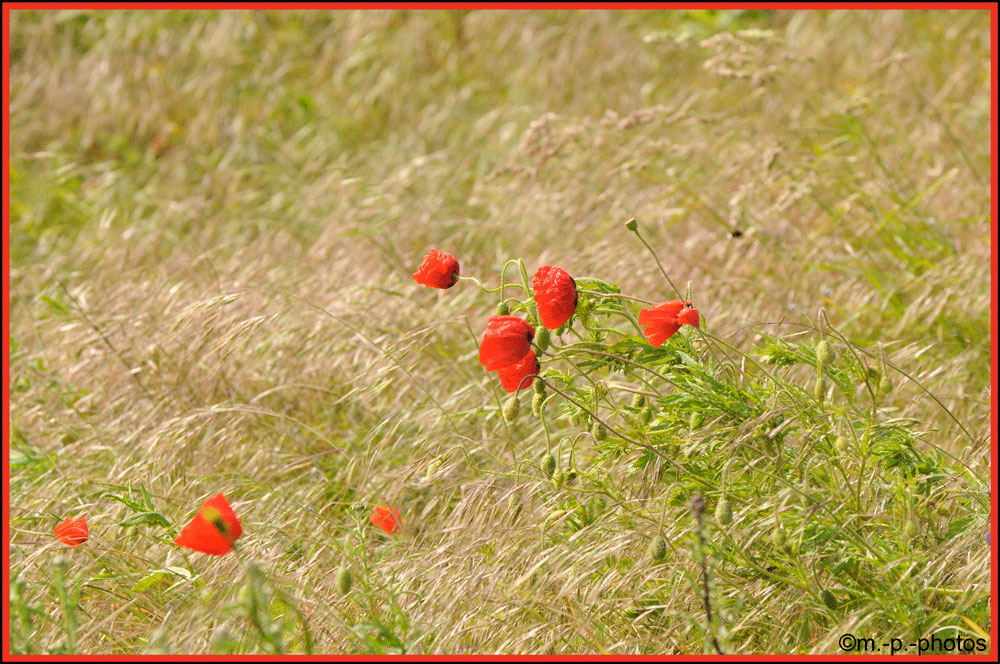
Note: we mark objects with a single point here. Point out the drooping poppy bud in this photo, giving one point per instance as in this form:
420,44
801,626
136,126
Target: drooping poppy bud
439,270
72,531
555,295
213,529
387,518
506,341
511,409
658,548
548,465
344,580
662,320
536,405
515,376
724,512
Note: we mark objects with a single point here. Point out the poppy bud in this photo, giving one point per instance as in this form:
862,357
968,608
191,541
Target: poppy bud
819,391
911,529
840,444
779,538
433,467
829,599
824,355
542,339
646,415
658,548
884,385
724,512
344,580
639,401
548,465
536,405
558,479
503,309
539,387
599,432
570,476
511,409
632,224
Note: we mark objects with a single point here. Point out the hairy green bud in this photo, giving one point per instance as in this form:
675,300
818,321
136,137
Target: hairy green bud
536,404
646,415
779,538
639,401
511,409
829,599
599,432
819,391
724,512
542,338
558,479
658,548
503,309
824,356
840,444
570,476
538,386
911,529
548,465
695,419
344,580
884,385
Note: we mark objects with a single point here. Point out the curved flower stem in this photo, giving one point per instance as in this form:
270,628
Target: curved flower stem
483,288
621,435
658,263
621,296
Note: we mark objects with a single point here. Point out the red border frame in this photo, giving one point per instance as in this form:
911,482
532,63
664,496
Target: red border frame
8,7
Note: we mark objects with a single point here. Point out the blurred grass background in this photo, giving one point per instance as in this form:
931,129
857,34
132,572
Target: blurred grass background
214,220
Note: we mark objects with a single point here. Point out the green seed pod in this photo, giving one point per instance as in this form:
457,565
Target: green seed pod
632,224
598,431
542,339
536,404
658,548
344,580
646,415
819,391
829,599
779,538
558,479
503,309
548,465
724,512
639,401
884,385
840,444
511,409
824,356
911,529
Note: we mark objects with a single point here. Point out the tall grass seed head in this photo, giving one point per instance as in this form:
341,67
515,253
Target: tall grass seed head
658,548
548,465
512,408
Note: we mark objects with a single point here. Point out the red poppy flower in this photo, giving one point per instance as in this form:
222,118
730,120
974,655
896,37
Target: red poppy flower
513,377
555,295
387,518
72,532
213,529
665,318
506,342
439,270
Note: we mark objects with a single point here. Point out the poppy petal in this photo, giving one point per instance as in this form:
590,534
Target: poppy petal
513,377
439,269
555,296
72,531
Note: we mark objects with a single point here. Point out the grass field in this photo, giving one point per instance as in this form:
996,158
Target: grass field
214,222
